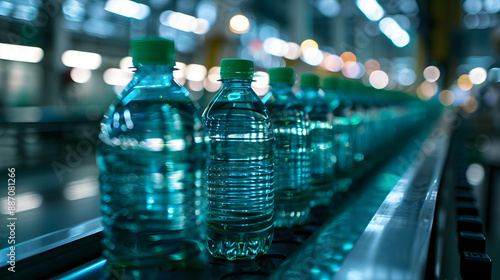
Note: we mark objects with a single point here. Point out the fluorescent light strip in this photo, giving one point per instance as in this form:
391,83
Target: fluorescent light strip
20,53
81,189
371,9
393,31
374,12
185,22
128,9
79,59
23,202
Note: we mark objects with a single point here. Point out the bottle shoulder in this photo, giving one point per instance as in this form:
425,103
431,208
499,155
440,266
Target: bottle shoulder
145,119
279,108
236,104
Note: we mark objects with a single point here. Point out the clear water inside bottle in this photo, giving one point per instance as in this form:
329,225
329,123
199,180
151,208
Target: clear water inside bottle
151,166
323,155
240,192
291,163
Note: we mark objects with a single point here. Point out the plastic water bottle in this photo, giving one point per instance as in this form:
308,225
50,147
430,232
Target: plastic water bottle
320,128
291,159
358,114
240,186
150,161
344,131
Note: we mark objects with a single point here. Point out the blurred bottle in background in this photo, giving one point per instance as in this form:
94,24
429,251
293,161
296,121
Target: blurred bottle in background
379,116
150,161
357,117
240,186
343,129
320,127
361,111
291,158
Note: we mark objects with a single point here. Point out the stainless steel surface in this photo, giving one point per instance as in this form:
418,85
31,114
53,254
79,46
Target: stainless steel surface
53,240
92,270
56,176
395,243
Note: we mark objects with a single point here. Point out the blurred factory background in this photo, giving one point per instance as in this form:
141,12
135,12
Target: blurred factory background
62,62
74,53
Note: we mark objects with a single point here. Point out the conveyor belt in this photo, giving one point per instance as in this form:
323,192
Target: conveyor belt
388,210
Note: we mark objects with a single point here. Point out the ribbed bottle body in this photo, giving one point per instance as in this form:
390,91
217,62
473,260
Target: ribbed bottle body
240,176
151,168
323,156
291,160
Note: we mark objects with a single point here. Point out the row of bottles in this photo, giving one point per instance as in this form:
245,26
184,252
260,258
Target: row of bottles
173,182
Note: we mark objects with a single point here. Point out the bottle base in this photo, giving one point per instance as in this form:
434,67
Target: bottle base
164,256
230,248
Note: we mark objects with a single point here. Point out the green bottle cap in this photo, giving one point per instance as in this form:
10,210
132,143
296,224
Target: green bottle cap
152,50
235,68
332,83
348,85
281,75
309,80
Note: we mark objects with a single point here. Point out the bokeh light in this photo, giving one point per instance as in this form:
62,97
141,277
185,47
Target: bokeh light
80,75
432,88
406,76
179,73
478,75
185,22
472,6
79,59
275,46
475,174
431,73
181,66
195,85
379,79
426,90
312,56
308,44
494,74
470,104
239,24
353,70
117,77
332,63
401,39
196,72
21,53
207,10
293,52
371,9
394,32
464,82
348,56
328,8
212,83
446,97
202,26
267,29
128,8
126,64
371,65
261,83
